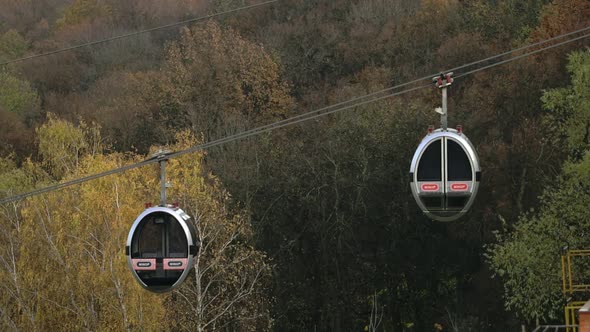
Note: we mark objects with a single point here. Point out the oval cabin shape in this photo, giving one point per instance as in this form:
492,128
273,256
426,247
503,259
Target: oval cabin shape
161,247
445,175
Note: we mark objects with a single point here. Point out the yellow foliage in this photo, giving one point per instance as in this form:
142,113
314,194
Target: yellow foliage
62,145
219,77
82,10
70,269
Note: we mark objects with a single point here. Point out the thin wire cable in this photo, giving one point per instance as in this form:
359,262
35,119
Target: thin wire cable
192,20
310,116
200,147
428,77
280,124
523,55
326,109
521,48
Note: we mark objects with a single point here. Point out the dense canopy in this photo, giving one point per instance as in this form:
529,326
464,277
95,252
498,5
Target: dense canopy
307,228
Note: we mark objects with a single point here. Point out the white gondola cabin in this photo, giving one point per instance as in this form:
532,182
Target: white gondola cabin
161,247
445,174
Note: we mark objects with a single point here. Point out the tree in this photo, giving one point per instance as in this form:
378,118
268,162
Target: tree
19,97
219,83
14,311
73,268
24,15
229,286
62,145
63,262
332,201
561,16
17,138
527,258
502,20
125,107
12,45
83,10
569,108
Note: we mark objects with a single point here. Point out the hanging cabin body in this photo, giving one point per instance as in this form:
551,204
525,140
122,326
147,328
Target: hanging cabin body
445,174
161,247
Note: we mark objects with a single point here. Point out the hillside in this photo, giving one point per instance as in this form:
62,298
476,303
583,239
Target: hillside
319,217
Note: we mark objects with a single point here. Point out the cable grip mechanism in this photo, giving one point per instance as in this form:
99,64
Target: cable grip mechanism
162,157
443,81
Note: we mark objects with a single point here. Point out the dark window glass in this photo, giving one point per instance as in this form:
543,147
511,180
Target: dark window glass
456,202
458,164
429,168
177,241
432,202
150,238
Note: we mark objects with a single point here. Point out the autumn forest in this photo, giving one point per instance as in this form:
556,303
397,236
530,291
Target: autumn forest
310,227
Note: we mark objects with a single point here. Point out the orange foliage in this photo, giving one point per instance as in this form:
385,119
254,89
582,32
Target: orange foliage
562,16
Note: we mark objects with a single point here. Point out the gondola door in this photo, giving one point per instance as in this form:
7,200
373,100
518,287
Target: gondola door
445,174
160,248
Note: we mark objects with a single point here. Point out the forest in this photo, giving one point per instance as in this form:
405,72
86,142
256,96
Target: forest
310,227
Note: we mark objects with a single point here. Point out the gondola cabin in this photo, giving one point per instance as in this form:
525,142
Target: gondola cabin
445,174
161,247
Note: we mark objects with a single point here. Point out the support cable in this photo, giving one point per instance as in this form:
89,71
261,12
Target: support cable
520,56
136,33
385,93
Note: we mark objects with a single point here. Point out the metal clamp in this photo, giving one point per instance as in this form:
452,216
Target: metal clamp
443,81
162,157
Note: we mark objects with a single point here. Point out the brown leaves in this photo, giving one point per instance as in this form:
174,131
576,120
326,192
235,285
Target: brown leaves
561,16
214,75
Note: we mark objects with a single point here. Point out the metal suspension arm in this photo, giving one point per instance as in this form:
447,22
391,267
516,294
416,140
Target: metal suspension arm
443,81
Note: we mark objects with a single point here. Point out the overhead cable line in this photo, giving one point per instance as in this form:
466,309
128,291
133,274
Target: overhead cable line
520,56
522,48
327,110
200,147
429,77
106,40
352,103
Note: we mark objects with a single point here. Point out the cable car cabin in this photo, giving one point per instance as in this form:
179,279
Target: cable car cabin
160,248
445,174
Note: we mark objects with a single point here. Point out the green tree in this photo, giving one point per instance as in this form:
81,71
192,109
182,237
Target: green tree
527,258
569,108
502,20
12,45
18,96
